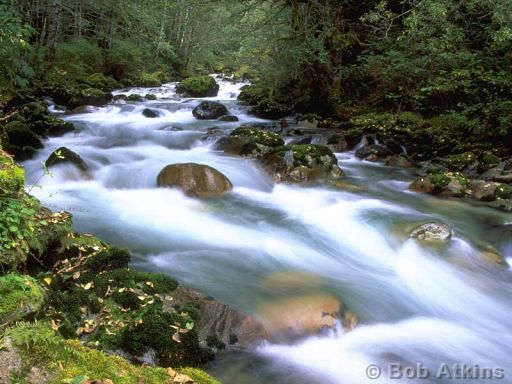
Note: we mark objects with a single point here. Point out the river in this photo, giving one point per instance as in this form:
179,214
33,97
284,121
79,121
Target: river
415,305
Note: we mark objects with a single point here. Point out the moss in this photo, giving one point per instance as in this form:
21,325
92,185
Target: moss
254,135
113,258
12,177
504,191
271,108
19,296
459,161
153,79
440,180
301,152
134,97
199,86
199,376
490,160
69,361
252,94
150,96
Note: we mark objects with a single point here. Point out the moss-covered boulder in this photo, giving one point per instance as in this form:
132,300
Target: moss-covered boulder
301,164
373,152
431,232
485,190
89,96
195,180
41,355
250,141
199,86
272,109
20,140
66,155
20,296
100,81
209,110
134,97
252,94
150,96
443,183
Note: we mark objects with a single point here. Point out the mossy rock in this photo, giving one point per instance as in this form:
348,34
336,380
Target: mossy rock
20,296
459,162
250,141
150,96
20,141
301,163
449,184
12,176
272,109
134,97
199,86
77,363
153,79
89,96
100,81
252,94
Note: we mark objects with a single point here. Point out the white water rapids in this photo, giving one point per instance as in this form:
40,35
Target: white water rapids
415,305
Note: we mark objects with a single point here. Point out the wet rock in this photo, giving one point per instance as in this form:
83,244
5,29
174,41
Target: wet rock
399,161
432,232
335,142
66,155
89,96
209,110
217,320
498,174
445,184
120,99
250,141
150,96
150,113
135,97
229,118
373,152
195,180
82,109
484,190
301,164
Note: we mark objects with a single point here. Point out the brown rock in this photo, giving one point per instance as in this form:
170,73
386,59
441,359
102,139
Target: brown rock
195,180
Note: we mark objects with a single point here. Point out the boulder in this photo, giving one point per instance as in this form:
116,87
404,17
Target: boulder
229,118
301,164
134,97
150,113
20,296
446,184
269,108
399,161
150,96
484,190
217,321
89,96
373,152
250,141
66,155
209,110
82,109
198,86
431,232
195,180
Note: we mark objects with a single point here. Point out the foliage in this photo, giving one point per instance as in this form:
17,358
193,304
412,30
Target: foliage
19,296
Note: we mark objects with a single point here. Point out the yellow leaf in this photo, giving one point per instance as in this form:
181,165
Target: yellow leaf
88,286
76,275
150,284
47,280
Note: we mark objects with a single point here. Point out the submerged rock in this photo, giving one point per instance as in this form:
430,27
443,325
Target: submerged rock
229,118
82,109
432,232
195,180
66,155
301,164
150,113
209,110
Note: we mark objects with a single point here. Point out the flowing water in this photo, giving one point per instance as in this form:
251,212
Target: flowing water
415,304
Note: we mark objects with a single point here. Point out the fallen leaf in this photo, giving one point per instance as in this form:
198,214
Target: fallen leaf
47,280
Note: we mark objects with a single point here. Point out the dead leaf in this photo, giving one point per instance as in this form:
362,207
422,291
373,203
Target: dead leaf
47,280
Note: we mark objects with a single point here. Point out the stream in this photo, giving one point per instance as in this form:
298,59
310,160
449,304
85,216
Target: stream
416,305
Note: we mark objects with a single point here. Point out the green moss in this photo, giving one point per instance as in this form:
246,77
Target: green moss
111,259
153,79
12,177
271,108
100,81
19,296
254,135
504,191
150,96
134,97
199,86
199,376
440,180
68,361
373,122
301,152
459,161
490,160
252,94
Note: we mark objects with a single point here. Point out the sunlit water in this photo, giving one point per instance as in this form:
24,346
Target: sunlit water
415,304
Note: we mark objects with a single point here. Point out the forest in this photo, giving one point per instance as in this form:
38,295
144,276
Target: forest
323,149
